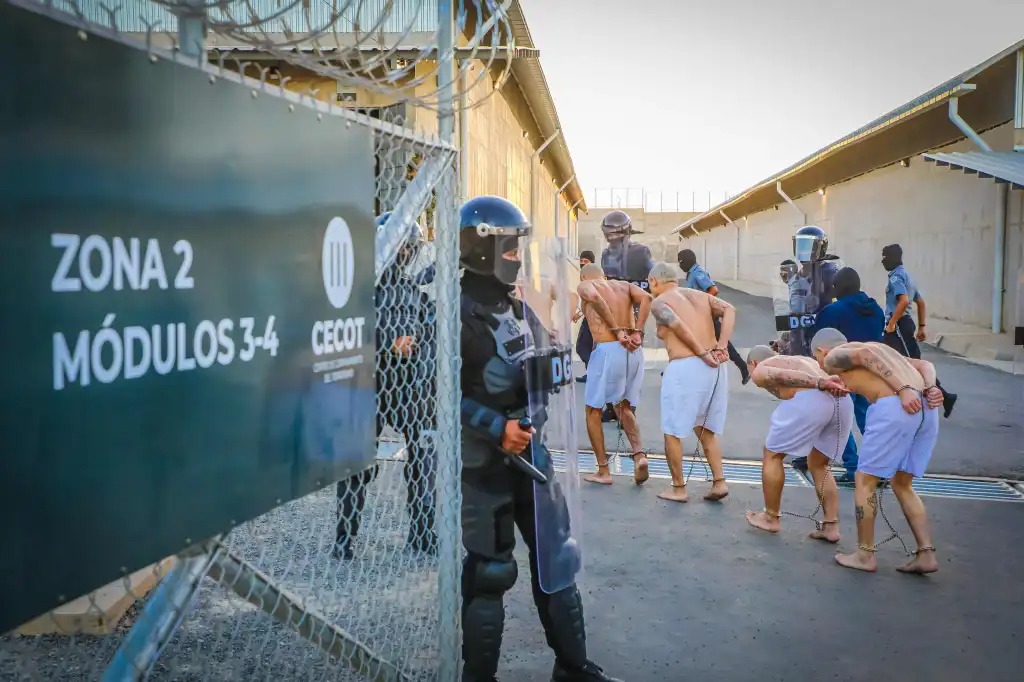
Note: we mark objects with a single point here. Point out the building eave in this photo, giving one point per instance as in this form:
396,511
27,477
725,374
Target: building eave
916,127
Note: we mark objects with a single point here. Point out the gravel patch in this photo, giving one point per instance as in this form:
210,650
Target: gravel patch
387,598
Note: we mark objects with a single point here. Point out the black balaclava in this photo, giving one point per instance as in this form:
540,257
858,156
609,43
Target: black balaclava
589,255
892,257
687,259
846,283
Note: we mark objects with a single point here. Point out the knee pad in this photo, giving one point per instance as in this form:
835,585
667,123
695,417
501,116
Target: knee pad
488,576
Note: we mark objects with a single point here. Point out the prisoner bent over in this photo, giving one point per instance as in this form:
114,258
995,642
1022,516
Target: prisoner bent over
813,421
615,373
901,429
694,388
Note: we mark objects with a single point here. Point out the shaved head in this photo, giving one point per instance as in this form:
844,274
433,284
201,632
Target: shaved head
826,339
760,354
591,271
663,273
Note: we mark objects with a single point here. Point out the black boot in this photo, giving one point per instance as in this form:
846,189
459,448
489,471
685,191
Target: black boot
948,401
799,463
588,672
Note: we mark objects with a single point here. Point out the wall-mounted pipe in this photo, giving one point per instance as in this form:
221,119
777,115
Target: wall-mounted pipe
574,237
954,116
1018,108
1002,193
778,188
533,174
736,264
558,193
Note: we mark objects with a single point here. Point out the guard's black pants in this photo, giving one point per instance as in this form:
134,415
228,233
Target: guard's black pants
903,342
496,500
408,411
734,354
585,342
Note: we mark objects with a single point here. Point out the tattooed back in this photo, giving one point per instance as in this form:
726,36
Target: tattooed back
870,368
692,309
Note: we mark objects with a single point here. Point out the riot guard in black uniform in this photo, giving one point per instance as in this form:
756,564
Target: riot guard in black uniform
405,398
809,288
507,384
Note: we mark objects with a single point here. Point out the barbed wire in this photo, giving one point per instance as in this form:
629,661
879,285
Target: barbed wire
379,45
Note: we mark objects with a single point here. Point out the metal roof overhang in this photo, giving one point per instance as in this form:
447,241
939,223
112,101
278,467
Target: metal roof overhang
1003,167
908,131
530,79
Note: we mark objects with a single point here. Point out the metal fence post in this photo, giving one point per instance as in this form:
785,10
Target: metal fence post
448,367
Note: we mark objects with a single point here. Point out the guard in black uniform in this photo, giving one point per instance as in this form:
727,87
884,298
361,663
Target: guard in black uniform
405,398
810,287
501,343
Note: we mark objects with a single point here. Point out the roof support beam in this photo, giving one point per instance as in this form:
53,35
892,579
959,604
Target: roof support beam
778,188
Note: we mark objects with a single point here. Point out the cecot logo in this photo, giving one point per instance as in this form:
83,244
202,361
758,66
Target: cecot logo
338,262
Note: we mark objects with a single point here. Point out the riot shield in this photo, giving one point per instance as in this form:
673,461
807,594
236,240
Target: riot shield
545,287
799,292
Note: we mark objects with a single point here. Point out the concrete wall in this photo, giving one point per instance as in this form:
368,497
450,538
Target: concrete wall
656,228
943,219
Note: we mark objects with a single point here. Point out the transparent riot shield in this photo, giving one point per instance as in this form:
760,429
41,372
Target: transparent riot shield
547,290
799,292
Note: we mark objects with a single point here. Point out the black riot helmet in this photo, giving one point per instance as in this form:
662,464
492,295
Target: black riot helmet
489,232
617,225
410,248
810,243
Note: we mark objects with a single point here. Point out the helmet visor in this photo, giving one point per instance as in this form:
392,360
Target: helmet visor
805,248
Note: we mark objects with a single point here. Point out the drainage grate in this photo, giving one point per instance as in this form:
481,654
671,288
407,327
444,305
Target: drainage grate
658,468
962,488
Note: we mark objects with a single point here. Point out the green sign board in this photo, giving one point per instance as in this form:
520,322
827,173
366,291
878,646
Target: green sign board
187,287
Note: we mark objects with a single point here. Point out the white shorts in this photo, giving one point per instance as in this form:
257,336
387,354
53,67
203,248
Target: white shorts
897,441
691,398
614,375
809,420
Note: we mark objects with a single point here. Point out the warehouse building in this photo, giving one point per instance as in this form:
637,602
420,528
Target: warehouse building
891,181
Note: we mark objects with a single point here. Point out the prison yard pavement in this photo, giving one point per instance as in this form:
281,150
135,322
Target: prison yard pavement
984,437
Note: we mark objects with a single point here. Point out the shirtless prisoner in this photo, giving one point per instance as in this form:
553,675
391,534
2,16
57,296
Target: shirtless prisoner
899,436
615,373
813,421
694,387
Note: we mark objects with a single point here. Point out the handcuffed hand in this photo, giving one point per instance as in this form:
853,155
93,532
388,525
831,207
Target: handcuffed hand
515,439
721,354
933,396
709,358
636,340
833,385
404,346
911,403
622,336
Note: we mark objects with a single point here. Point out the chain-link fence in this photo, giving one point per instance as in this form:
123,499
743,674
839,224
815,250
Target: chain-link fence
359,579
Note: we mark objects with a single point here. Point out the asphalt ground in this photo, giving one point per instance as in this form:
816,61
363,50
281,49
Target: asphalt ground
983,437
678,592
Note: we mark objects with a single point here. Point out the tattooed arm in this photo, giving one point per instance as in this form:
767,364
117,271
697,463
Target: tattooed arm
767,377
720,308
639,297
926,370
846,357
589,293
666,317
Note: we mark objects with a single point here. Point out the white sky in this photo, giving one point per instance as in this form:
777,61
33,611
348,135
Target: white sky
699,95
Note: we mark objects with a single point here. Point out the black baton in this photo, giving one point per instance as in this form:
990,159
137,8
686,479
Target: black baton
519,463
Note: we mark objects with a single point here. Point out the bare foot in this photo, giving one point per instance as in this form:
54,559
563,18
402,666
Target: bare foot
763,521
924,562
829,532
860,560
640,473
719,491
602,476
675,494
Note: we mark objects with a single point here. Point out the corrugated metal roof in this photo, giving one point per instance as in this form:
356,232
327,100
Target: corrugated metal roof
929,99
1000,166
